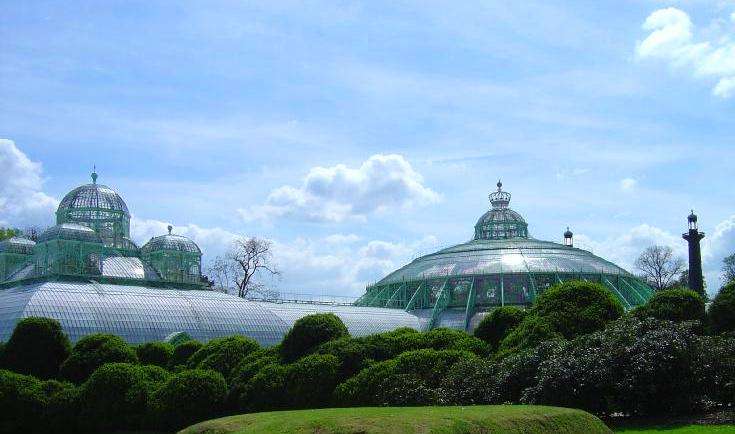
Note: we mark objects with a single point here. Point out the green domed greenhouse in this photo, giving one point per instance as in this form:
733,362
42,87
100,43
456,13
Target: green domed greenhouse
87,273
501,265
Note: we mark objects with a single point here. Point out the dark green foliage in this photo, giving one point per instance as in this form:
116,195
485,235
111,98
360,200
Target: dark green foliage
532,331
640,367
452,339
223,354
37,347
470,382
22,403
381,383
63,410
188,397
674,305
311,380
577,307
716,368
309,332
517,372
721,313
91,352
155,353
265,391
183,352
116,396
498,324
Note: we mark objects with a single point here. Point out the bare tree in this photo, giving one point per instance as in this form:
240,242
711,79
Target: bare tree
244,266
659,266
728,268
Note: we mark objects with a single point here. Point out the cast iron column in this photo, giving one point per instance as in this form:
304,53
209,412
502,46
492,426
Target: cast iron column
696,282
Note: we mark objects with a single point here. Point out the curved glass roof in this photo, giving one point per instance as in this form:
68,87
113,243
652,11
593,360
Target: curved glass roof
69,231
94,196
171,242
142,314
518,255
17,245
500,222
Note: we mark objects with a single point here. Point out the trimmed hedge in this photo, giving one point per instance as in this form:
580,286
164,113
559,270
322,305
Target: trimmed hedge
155,353
309,332
188,397
223,354
721,313
498,324
93,351
116,396
577,307
37,347
678,304
183,352
311,380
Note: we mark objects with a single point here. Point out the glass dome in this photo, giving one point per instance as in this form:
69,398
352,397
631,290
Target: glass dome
100,208
501,265
171,242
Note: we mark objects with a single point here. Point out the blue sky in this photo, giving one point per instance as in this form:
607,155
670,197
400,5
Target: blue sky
285,119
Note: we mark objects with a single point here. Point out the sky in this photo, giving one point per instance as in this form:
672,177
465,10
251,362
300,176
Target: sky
358,135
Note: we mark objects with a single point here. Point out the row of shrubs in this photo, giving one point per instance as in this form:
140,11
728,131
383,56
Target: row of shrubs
575,347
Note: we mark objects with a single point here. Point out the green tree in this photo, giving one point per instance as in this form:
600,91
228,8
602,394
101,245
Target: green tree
93,351
155,353
721,313
6,233
728,269
498,324
38,347
189,397
674,305
309,332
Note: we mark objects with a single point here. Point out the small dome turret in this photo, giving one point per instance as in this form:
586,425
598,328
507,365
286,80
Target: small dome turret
176,258
171,242
500,222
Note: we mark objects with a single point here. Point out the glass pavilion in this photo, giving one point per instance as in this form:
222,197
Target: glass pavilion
502,265
87,273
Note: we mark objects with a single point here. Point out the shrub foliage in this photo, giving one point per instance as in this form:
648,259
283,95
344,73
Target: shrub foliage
37,347
309,332
93,351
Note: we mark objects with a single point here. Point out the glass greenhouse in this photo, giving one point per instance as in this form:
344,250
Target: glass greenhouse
87,273
502,265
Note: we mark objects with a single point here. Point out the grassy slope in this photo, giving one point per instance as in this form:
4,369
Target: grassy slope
689,429
471,419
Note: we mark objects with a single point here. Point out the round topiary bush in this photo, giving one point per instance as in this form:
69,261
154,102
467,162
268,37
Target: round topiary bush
238,397
674,305
116,395
37,347
577,307
93,351
721,313
452,339
532,331
22,403
223,354
498,324
309,332
311,380
183,352
188,397
155,353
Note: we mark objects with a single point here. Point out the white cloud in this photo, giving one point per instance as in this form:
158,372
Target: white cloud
339,192
22,201
671,38
334,265
627,184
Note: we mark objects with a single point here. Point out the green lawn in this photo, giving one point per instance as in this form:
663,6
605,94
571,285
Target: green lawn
687,429
378,420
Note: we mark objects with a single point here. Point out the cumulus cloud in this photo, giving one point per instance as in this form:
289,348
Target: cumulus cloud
338,264
627,184
22,201
671,39
339,192
625,248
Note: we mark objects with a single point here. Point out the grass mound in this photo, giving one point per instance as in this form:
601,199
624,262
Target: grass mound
446,420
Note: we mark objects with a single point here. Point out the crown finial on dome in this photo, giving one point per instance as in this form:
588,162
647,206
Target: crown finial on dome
94,174
170,228
500,198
